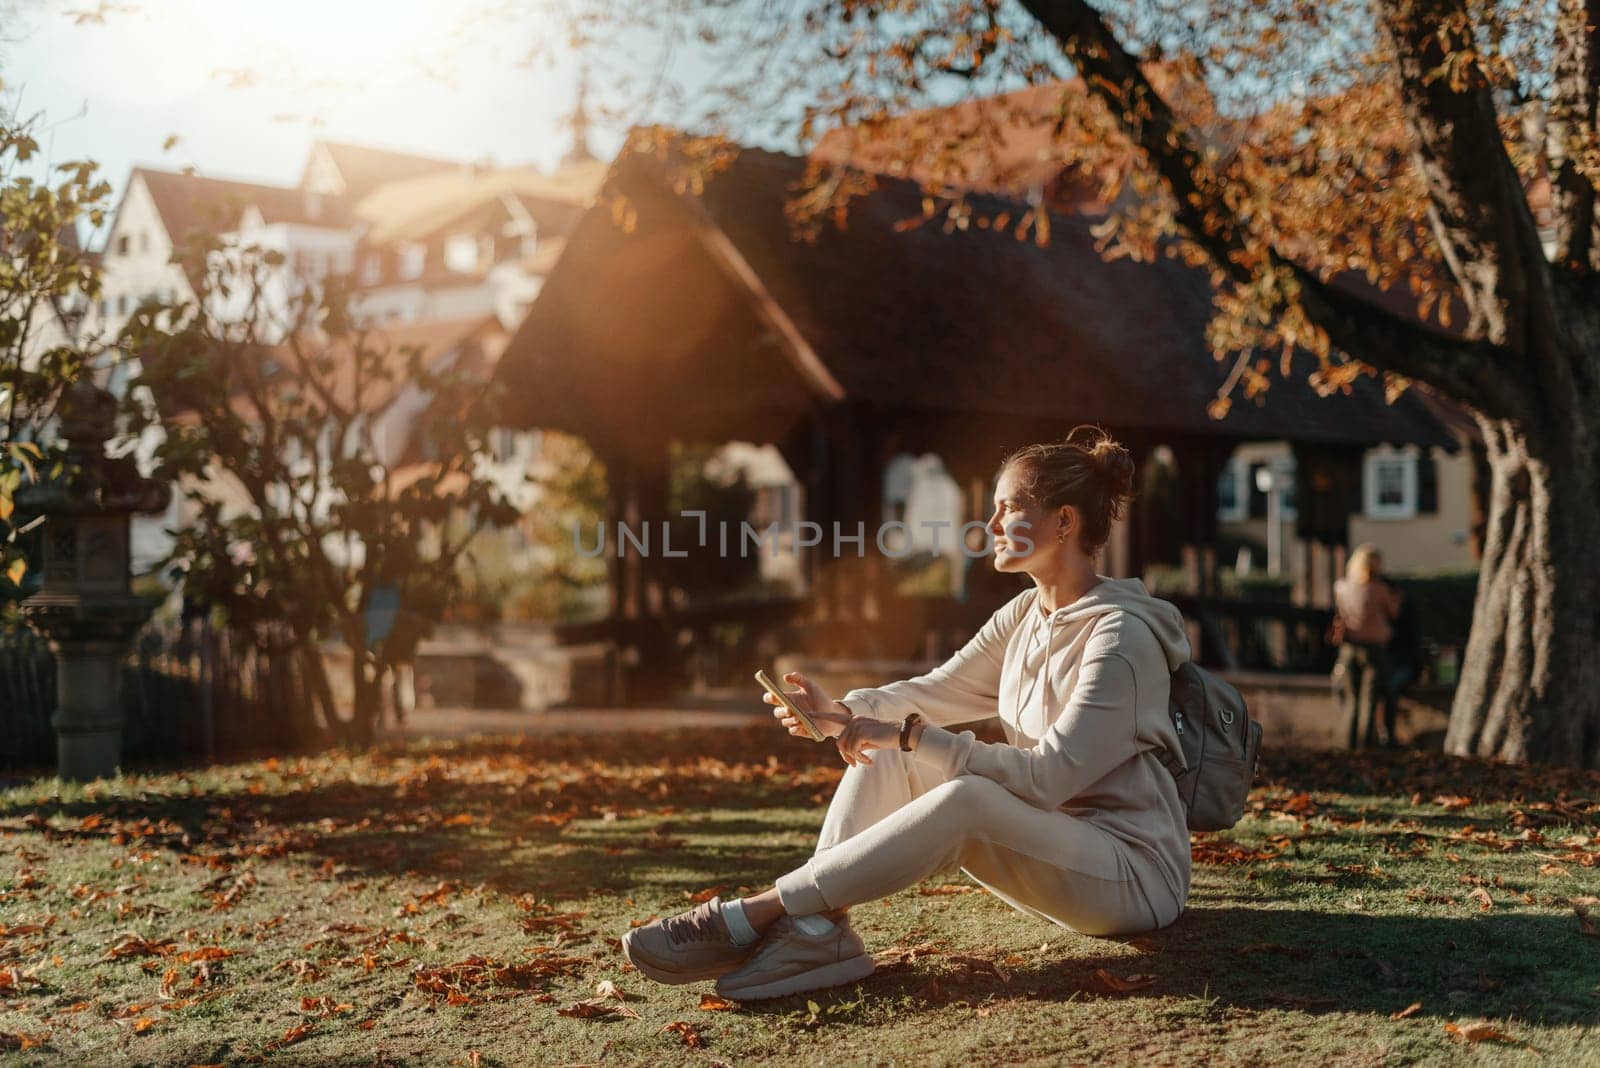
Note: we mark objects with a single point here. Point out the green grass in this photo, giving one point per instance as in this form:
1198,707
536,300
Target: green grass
1343,898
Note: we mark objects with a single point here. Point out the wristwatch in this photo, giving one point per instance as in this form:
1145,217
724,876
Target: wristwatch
905,731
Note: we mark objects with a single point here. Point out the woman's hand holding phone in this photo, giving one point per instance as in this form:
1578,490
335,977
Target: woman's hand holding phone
829,716
852,734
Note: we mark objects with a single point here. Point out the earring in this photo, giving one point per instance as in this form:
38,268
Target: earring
1061,535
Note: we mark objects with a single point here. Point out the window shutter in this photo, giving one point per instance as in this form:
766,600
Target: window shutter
1258,500
1427,484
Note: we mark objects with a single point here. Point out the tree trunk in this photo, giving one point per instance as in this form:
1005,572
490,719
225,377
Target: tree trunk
316,673
1530,679
368,695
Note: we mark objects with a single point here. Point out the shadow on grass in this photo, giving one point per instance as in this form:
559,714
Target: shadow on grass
1527,967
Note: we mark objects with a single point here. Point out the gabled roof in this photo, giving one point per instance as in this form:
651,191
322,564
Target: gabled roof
189,202
363,169
968,323
417,208
1008,143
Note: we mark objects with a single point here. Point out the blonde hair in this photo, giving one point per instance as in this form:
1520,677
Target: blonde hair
1359,567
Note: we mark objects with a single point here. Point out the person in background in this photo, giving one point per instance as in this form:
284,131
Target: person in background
1366,607
1405,661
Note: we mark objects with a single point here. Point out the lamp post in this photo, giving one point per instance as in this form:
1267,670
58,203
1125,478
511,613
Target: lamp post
1269,482
85,606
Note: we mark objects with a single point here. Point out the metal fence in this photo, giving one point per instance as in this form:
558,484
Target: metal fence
188,693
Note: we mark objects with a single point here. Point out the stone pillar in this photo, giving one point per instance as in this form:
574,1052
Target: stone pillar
85,606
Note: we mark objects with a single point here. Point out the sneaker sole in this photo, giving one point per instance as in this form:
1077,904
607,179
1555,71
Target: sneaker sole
844,971
660,975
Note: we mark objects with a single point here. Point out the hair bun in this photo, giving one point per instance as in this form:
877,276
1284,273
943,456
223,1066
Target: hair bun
1111,459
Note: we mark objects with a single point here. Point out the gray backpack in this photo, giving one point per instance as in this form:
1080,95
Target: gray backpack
1220,746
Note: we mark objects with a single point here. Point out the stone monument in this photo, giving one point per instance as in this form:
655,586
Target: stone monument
85,606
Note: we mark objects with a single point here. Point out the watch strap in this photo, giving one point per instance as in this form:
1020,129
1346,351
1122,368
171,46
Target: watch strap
905,730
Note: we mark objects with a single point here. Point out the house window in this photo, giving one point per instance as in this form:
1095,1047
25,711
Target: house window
412,259
123,245
1233,501
461,253
144,242
1389,484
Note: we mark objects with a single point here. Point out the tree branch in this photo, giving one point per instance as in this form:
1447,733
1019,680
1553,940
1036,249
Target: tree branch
1477,205
1466,370
1572,130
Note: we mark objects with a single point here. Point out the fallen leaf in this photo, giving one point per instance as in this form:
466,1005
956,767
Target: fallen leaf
974,965
1407,1012
293,1035
1553,869
712,1003
945,890
1113,984
705,895
1481,896
1478,1032
596,1008
608,989
1585,923
686,1031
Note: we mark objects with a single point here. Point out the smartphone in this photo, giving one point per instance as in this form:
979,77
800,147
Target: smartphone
794,710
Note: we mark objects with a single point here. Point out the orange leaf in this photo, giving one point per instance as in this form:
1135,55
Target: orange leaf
1407,1012
712,1003
1113,984
1481,896
293,1035
686,1031
1478,1032
707,894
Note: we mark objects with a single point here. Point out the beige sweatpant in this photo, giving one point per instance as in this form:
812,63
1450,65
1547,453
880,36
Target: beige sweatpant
895,822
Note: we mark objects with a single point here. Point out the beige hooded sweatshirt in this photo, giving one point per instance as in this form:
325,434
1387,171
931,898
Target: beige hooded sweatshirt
1082,694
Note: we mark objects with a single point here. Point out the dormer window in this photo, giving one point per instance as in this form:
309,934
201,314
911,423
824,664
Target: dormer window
124,244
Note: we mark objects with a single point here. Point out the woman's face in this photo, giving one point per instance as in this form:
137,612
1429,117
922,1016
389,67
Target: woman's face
1024,533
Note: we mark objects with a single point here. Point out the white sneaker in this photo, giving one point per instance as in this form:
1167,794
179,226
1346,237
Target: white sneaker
790,961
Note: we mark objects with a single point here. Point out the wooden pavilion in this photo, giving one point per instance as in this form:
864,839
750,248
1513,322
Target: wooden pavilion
708,319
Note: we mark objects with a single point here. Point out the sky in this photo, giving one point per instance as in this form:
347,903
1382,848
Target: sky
400,74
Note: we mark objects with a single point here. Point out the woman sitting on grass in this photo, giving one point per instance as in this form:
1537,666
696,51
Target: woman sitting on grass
1073,819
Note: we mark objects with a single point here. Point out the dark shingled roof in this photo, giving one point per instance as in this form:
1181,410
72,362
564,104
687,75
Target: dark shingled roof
972,322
